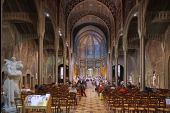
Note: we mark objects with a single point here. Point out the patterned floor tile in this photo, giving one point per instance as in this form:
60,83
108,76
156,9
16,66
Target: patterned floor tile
91,103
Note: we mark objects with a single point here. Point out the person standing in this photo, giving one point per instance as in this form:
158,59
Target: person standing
82,88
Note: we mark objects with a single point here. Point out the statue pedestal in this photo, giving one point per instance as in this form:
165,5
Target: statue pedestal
10,110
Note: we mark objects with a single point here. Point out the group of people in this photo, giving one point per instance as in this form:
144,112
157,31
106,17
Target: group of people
79,86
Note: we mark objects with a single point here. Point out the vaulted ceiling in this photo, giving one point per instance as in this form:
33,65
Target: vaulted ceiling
103,14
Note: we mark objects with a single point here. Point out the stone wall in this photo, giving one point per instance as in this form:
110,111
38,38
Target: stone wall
157,59
167,58
154,62
133,66
24,49
15,45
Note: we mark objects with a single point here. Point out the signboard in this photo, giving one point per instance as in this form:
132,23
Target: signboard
167,101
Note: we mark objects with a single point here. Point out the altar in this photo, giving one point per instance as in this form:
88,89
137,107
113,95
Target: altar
38,102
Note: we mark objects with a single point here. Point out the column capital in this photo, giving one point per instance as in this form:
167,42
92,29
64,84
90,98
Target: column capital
41,35
141,19
41,19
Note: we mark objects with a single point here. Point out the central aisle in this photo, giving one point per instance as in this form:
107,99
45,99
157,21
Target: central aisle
91,103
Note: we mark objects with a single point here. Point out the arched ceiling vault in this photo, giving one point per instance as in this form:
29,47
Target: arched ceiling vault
90,19
70,4
89,29
157,21
90,43
23,14
97,12
82,38
90,7
132,35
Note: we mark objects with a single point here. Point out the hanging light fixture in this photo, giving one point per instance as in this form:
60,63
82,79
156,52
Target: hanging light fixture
59,31
46,14
135,14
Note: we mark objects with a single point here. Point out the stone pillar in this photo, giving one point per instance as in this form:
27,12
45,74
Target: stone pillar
40,60
70,67
41,31
86,67
47,76
2,2
53,71
64,57
125,60
56,55
142,63
142,34
110,68
116,66
125,67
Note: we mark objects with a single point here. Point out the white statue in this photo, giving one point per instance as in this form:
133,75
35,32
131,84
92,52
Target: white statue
154,79
12,70
13,67
131,78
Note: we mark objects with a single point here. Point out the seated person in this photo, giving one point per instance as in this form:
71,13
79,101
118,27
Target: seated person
101,88
123,90
73,89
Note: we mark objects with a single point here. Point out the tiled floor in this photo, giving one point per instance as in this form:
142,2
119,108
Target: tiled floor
91,103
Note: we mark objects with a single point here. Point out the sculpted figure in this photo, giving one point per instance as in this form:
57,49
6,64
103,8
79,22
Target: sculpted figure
12,70
13,67
154,79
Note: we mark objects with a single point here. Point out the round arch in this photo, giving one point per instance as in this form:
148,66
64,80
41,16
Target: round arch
109,20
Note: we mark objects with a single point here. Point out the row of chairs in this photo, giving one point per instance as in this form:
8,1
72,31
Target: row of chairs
61,99
135,102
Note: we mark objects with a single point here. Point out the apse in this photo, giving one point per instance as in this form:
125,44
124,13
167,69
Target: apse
90,50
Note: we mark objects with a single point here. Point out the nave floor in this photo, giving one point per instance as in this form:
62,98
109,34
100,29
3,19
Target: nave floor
91,103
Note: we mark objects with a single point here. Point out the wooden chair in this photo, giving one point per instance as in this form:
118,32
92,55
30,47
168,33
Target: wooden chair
55,104
152,105
64,104
162,106
19,105
142,103
118,104
109,102
72,99
132,104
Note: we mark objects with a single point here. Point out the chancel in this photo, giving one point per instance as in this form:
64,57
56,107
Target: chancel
85,56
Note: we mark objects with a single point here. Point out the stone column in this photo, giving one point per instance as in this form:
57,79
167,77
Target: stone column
108,67
86,67
111,63
47,77
125,60
64,57
142,34
41,31
116,66
142,63
56,55
71,67
53,66
125,67
40,60
2,2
